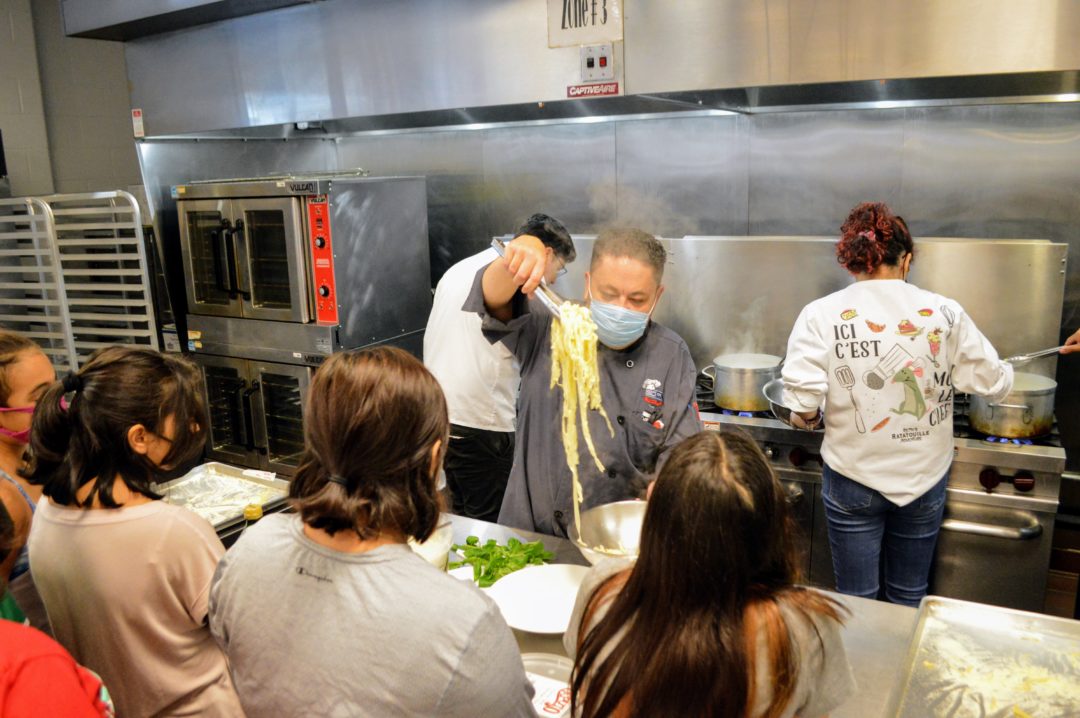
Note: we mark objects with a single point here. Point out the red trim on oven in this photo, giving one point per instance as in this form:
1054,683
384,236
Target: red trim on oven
323,287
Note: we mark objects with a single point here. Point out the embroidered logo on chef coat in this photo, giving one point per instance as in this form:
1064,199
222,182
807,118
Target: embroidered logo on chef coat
653,395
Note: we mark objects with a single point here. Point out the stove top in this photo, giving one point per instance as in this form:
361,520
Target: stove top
962,429
985,466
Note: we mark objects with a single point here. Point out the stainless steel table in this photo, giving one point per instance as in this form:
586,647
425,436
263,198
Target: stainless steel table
876,635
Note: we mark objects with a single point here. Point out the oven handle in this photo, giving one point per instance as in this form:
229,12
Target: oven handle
249,415
217,245
1032,529
234,272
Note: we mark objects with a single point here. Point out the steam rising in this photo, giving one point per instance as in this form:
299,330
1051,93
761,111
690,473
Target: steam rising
745,332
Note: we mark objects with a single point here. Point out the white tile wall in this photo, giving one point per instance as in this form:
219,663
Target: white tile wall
22,116
86,107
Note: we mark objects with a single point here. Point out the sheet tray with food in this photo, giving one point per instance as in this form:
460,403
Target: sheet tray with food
973,660
219,492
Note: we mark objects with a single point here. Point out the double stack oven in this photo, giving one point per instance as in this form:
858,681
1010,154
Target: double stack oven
279,274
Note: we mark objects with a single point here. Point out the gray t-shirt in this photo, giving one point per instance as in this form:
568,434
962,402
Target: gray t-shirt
647,391
310,631
824,680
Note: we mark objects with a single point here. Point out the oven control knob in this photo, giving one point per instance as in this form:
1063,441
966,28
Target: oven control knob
320,242
324,291
798,456
989,478
769,451
1023,481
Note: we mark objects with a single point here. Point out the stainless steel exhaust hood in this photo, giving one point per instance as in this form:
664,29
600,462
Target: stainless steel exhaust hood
126,20
346,66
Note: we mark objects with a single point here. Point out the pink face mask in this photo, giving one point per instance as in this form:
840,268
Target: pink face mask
22,437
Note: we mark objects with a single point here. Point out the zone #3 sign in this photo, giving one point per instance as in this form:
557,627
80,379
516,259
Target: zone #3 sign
584,22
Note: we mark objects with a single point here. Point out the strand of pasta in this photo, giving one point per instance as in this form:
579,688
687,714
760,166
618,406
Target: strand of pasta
574,369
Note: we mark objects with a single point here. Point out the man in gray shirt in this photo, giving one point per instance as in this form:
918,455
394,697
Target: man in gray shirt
647,377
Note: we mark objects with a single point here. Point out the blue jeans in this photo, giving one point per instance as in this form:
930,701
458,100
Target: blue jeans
862,522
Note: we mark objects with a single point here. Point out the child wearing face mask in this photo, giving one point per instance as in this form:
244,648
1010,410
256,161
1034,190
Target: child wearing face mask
125,576
25,372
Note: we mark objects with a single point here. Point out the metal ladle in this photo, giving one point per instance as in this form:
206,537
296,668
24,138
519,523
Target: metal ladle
544,293
1025,358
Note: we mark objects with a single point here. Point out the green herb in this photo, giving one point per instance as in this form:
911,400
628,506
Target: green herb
490,561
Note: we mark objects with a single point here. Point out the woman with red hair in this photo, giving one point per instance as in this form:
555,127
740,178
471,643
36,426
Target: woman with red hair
885,357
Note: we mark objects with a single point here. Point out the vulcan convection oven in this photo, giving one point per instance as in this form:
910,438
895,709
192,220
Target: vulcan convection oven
282,272
291,269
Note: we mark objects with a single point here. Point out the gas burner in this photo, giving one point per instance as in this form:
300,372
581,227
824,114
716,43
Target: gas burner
1003,440
747,414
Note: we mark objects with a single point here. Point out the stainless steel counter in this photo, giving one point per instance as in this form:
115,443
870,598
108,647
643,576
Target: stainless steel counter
876,635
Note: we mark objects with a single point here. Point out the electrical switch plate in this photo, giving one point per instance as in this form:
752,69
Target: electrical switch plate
598,70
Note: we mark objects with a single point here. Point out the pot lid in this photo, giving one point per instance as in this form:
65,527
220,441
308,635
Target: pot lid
747,361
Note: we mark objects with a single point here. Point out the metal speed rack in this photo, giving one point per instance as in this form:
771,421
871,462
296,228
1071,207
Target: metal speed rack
74,274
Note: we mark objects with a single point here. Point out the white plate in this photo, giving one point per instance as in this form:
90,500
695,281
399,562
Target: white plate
462,573
550,677
539,599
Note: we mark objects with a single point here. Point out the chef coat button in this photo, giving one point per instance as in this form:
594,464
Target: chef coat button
558,515
611,473
629,363
621,420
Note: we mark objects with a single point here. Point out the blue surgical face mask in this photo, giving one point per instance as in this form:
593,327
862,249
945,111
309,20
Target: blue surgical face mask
617,327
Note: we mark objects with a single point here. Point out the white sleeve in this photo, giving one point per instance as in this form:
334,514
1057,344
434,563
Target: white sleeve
976,368
806,366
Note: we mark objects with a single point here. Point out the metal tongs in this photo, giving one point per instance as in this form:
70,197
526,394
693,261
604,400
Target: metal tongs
544,293
1025,358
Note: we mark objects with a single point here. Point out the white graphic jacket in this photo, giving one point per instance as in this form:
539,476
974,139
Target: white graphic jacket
884,358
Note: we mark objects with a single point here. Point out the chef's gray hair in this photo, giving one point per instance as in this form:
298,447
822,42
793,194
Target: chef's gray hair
630,242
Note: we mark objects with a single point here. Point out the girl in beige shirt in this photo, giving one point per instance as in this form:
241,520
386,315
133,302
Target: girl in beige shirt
123,575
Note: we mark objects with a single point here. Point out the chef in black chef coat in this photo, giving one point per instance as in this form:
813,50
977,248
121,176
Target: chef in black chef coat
647,377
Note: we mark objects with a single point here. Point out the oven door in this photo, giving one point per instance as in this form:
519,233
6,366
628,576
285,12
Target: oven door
993,554
229,399
282,395
274,276
208,248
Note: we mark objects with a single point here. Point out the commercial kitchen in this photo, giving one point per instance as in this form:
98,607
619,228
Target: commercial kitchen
288,179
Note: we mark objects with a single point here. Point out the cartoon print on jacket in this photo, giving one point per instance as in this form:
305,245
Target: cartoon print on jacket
913,402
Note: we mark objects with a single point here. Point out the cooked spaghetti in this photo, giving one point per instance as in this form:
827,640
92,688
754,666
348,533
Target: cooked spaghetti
574,370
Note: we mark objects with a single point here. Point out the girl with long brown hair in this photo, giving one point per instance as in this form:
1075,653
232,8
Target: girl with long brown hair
124,576
708,621
328,611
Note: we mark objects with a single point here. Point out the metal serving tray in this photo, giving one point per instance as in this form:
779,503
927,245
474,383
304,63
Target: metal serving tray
219,492
974,660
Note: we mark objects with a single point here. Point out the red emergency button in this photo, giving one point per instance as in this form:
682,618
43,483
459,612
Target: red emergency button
603,61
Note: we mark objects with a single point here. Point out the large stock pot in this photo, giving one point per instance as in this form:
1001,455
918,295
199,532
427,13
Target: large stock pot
739,380
1026,412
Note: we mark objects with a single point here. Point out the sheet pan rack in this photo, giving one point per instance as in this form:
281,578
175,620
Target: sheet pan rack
74,275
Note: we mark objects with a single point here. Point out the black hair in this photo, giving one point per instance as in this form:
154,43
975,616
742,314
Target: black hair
552,233
80,428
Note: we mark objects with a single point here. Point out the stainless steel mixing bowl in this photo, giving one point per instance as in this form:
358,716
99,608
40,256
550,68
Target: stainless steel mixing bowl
617,527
